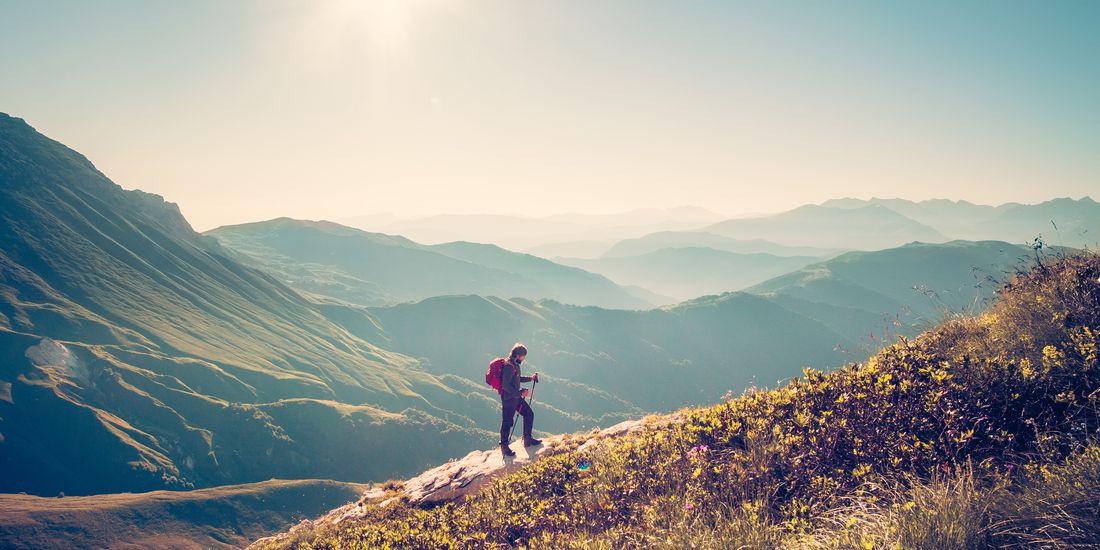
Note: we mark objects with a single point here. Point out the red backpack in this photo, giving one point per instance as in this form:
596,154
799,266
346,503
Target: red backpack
492,376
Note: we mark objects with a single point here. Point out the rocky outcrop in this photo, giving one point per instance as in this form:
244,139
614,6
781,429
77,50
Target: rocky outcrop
463,477
459,478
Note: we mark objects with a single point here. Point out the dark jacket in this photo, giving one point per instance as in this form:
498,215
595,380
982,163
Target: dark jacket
510,379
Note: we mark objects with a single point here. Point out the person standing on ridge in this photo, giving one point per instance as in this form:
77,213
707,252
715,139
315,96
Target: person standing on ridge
513,399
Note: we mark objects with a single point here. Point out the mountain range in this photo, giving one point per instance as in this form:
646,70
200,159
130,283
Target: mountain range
688,272
1060,222
365,268
516,231
137,354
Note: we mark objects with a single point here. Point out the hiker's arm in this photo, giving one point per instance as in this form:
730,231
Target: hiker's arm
524,379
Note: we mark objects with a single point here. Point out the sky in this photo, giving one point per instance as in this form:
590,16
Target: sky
243,110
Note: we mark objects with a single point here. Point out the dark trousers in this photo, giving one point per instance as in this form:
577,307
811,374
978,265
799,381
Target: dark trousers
508,412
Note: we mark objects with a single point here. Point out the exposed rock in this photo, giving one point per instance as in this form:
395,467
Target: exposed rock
459,478
462,477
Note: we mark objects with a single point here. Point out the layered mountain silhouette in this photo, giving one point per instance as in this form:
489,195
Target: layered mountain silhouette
518,226
688,272
869,227
653,242
822,314
364,268
1060,222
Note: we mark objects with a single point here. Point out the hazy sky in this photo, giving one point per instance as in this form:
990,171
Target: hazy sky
247,110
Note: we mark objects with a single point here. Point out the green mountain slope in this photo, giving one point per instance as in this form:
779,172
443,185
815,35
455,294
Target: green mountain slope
170,364
375,269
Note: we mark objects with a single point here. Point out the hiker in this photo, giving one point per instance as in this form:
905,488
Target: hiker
513,399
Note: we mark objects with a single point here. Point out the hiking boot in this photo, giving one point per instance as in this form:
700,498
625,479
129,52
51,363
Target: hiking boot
506,450
529,441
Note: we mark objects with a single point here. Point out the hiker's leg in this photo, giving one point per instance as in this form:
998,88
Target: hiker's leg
528,417
507,412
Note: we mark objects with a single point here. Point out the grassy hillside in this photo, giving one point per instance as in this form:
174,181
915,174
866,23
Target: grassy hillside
981,433
221,518
136,354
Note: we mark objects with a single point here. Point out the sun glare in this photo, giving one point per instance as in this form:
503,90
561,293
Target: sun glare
381,28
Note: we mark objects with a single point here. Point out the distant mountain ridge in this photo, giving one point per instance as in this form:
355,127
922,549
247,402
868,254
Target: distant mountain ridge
517,232
689,272
1061,222
692,239
898,291
374,269
869,227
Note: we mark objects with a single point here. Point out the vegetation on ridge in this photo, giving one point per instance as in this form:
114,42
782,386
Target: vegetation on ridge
980,433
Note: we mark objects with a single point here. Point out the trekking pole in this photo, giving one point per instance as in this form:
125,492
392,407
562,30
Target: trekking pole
515,417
